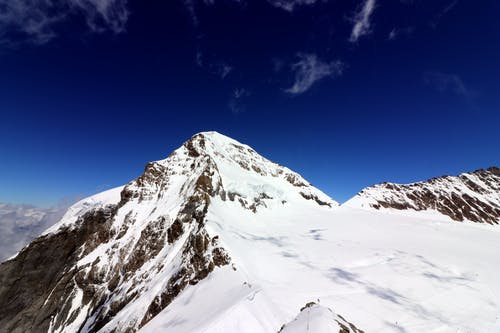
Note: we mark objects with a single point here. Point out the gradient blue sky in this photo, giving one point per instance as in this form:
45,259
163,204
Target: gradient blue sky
347,93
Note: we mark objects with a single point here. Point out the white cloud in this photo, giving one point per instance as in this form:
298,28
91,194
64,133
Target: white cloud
235,103
290,5
191,8
396,33
287,5
443,82
309,69
223,70
35,19
393,34
199,59
219,68
103,14
440,14
362,24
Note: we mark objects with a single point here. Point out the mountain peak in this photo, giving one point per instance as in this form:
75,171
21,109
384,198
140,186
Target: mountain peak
137,247
215,144
235,169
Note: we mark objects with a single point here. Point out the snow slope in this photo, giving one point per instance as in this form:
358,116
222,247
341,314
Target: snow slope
216,238
382,272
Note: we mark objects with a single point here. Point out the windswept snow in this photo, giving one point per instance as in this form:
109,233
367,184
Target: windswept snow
382,272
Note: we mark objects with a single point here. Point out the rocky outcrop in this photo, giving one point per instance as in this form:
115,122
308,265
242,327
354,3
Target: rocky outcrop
315,198
473,196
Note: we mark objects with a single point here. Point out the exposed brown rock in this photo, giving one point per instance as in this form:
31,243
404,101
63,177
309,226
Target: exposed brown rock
174,231
294,180
198,262
448,195
190,145
220,257
150,243
33,284
315,198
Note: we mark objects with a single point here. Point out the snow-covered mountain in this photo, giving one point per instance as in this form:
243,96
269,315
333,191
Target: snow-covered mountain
216,238
472,196
116,259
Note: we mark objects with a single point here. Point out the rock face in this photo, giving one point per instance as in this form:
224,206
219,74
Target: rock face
318,319
117,259
473,196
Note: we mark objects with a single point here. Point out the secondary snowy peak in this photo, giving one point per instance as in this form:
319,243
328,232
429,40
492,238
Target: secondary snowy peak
117,259
472,196
319,319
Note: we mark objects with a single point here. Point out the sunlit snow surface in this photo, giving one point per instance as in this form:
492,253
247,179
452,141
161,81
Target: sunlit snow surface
382,272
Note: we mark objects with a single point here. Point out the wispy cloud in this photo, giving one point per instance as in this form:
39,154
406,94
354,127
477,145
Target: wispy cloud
35,20
236,104
223,70
309,69
443,82
362,24
290,5
393,34
217,67
192,6
445,10
396,33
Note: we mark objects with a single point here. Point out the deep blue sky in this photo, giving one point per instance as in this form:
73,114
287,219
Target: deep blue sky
88,97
